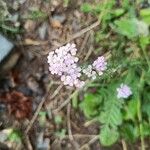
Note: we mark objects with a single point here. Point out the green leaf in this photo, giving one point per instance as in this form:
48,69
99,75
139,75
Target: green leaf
146,129
108,136
146,108
111,115
145,15
75,100
131,110
36,14
126,27
61,134
15,136
86,8
90,105
58,119
131,27
130,132
10,28
118,12
144,41
42,118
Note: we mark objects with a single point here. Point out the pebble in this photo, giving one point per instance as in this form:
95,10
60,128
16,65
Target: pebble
60,18
43,30
5,47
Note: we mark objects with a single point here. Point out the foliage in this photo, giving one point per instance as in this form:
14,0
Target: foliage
15,136
126,35
7,23
58,119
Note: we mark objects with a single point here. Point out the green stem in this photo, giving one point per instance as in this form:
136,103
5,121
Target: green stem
146,57
140,125
140,114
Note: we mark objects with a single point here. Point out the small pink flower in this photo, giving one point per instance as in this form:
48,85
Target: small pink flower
63,63
123,91
100,65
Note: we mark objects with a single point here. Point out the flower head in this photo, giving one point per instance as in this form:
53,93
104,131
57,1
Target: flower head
63,62
123,91
100,65
89,72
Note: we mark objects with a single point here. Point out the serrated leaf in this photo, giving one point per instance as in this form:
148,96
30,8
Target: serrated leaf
130,132
108,136
112,115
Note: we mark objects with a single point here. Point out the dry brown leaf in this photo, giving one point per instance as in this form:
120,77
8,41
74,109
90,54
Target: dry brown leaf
18,104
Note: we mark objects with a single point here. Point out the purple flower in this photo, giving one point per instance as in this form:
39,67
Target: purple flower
100,65
63,62
123,91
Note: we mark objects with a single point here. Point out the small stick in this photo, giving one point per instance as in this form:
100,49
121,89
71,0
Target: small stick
65,102
90,142
78,34
76,146
124,145
84,42
81,136
40,106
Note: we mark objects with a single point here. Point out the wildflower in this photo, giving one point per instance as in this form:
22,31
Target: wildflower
123,91
89,72
63,62
100,65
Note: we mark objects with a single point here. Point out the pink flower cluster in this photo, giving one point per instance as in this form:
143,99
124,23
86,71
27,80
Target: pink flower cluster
63,62
98,66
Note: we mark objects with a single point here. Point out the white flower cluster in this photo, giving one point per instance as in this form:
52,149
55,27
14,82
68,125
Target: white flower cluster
89,72
63,62
98,66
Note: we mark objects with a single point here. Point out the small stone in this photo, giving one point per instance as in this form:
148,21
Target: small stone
43,30
60,18
5,47
10,62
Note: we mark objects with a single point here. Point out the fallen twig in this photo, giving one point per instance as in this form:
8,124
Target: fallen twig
89,143
75,144
40,106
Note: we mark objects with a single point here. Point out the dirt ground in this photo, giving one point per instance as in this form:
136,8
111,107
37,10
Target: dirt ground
29,87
